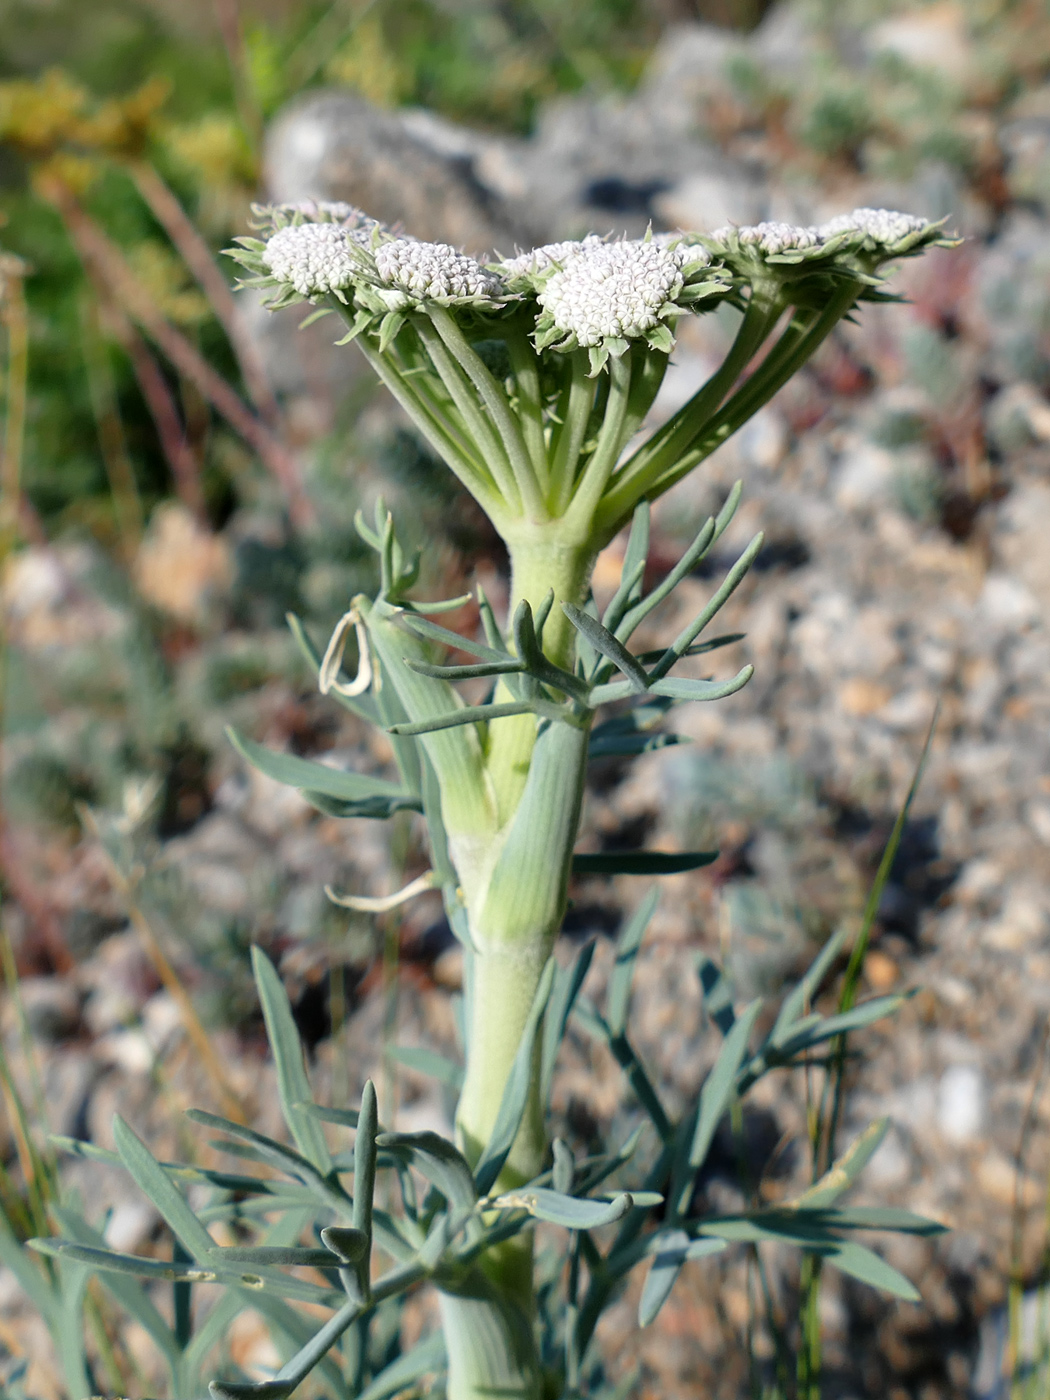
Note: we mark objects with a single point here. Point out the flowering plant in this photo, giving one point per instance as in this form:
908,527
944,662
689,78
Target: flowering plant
531,376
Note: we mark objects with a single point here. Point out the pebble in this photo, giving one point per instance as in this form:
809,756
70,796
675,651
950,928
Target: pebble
960,1103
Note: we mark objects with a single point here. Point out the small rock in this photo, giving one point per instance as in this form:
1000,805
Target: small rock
997,1176
181,567
862,696
1023,923
129,1225
960,1103
934,37
333,145
880,970
51,1005
1037,815
1007,603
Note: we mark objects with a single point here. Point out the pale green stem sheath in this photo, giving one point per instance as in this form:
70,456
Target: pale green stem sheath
514,920
495,400
466,799
491,1350
542,558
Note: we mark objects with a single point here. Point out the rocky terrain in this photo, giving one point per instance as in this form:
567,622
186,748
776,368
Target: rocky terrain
903,482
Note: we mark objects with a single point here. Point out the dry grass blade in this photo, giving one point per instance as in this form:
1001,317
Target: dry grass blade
224,1093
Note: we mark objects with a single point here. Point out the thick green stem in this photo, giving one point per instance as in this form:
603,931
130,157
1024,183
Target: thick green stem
491,1347
515,913
542,558
504,986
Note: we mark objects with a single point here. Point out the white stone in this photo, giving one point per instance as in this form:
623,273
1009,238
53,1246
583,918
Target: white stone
129,1225
960,1103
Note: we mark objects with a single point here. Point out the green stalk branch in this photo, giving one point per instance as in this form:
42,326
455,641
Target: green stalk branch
525,367
573,413
437,432
667,445
459,387
598,470
495,400
795,347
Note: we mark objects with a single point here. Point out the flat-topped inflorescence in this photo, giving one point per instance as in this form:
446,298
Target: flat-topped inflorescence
858,242
880,228
270,217
492,360
611,290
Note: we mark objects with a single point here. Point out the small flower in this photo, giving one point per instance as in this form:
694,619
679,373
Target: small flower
312,258
434,272
612,291
774,237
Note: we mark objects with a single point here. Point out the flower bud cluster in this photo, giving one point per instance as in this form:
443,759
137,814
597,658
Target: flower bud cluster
689,253
270,217
613,290
882,227
881,232
312,258
774,237
433,272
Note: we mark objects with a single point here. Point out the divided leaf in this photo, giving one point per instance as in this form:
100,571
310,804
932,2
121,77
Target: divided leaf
292,1083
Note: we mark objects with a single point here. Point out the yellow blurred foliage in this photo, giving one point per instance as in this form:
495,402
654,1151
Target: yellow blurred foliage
366,62
165,278
41,118
214,150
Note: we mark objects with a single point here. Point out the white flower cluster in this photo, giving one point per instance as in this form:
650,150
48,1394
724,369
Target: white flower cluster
550,255
615,290
773,237
313,258
433,270
883,226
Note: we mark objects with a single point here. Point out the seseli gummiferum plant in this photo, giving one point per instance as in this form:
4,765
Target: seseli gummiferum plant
530,376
